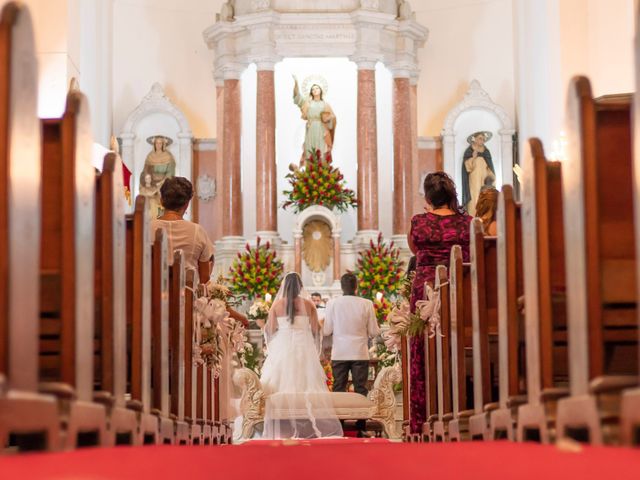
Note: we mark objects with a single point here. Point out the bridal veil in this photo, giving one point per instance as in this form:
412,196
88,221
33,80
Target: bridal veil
298,402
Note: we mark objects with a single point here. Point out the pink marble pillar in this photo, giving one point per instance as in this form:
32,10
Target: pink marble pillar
402,156
297,248
415,172
336,258
231,186
266,187
367,151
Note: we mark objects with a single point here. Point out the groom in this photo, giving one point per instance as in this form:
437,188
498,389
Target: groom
352,321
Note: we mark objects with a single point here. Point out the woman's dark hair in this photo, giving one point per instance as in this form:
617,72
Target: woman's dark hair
291,291
440,191
413,262
175,193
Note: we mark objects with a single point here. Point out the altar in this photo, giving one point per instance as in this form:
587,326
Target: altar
366,51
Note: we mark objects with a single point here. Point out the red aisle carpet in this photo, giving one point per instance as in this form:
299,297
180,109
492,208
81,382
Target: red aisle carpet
334,460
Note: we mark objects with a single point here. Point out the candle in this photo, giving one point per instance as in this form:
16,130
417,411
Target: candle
379,296
267,297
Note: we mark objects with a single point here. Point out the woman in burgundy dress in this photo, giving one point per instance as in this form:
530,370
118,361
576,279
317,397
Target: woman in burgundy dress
431,237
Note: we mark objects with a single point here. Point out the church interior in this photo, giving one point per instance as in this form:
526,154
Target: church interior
308,134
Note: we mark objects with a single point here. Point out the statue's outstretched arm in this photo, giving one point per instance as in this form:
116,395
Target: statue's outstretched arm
297,98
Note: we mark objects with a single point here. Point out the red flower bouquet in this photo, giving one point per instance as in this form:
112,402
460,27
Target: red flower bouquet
318,183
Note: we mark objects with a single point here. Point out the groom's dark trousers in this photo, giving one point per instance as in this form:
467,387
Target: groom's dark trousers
359,374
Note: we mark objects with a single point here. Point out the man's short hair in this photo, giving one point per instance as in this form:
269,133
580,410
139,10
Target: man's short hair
348,282
316,294
175,193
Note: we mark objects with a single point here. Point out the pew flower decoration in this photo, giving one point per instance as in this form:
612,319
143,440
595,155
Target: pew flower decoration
256,272
429,310
318,182
379,269
216,333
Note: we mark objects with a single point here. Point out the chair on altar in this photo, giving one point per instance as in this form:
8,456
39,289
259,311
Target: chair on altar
379,406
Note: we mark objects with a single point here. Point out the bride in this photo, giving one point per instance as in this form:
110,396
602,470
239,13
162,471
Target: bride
298,403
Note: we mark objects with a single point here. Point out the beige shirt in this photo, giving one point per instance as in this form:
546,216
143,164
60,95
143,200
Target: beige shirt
187,236
352,321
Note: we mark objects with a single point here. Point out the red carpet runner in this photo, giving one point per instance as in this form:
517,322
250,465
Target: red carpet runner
330,459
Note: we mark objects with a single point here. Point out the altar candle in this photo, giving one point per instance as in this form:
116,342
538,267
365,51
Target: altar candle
267,297
379,296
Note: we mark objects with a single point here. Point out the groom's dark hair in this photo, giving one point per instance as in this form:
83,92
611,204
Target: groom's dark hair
349,283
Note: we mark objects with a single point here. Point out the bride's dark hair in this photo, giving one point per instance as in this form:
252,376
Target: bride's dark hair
290,291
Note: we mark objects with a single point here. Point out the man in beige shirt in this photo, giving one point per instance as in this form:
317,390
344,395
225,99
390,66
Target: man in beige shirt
191,238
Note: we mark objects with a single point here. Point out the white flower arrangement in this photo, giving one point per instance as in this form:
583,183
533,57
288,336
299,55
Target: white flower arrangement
216,333
259,310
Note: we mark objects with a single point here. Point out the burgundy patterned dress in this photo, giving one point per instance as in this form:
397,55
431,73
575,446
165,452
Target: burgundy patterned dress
433,236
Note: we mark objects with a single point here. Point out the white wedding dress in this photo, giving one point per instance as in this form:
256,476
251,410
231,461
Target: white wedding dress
298,402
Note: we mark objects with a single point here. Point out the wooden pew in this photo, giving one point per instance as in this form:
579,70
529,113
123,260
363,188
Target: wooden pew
110,304
176,348
461,345
443,360
431,382
138,297
160,334
484,294
545,296
630,408
600,256
192,396
512,370
66,274
28,420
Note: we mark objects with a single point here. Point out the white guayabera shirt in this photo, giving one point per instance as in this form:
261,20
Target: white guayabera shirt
352,321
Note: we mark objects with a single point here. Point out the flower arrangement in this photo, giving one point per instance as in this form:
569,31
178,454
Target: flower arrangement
318,183
382,307
259,311
326,365
379,269
256,271
252,358
381,353
217,334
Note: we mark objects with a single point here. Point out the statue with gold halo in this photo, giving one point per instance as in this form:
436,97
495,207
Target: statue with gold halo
321,121
317,245
158,166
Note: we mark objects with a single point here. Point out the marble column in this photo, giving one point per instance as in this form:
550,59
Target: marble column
231,185
337,268
367,151
402,155
297,246
266,186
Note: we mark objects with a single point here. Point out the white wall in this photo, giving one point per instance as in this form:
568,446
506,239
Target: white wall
57,38
161,40
557,39
467,39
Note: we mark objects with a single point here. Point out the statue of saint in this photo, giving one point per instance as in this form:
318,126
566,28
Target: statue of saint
477,170
158,166
321,121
